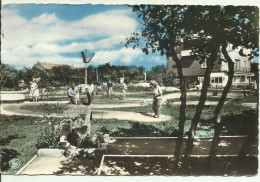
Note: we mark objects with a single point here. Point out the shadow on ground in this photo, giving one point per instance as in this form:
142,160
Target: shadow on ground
226,166
87,165
6,153
144,130
6,156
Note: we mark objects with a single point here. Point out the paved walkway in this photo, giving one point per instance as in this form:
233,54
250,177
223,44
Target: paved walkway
14,109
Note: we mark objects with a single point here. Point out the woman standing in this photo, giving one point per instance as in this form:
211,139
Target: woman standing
34,90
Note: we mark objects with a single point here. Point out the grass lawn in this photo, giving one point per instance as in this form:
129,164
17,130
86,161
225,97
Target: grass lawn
195,98
18,140
236,119
19,134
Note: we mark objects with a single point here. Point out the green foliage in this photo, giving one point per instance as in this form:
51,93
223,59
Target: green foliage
170,79
62,74
87,142
46,108
27,74
8,76
50,137
131,73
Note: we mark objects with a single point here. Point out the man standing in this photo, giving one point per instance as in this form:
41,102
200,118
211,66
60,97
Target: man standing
198,86
157,99
124,89
72,95
110,88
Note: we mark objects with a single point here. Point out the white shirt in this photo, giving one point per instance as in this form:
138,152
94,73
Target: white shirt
157,92
91,88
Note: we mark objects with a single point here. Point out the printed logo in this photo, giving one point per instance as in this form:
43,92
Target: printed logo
14,163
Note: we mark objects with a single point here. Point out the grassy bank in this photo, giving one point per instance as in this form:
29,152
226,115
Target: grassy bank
18,139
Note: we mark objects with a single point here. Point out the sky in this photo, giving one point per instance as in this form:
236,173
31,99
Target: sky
57,33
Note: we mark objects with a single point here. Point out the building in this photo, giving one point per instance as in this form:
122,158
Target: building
47,66
193,70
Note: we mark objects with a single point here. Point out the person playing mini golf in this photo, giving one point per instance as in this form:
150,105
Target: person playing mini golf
157,98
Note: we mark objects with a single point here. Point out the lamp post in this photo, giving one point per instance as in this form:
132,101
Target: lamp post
86,60
86,73
97,74
144,75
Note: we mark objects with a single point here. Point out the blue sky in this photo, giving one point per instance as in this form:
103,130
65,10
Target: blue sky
57,33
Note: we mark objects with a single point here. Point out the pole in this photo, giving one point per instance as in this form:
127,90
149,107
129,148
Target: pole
97,74
144,75
86,74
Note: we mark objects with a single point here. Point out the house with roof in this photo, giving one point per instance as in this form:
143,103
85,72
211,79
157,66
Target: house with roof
193,70
48,66
45,66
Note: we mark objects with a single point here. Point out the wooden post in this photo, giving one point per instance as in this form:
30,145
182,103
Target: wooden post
97,74
86,74
144,76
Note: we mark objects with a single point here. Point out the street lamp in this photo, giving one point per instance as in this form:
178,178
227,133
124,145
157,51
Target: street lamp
86,60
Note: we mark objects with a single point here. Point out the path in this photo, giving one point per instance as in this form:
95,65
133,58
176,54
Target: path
14,109
131,116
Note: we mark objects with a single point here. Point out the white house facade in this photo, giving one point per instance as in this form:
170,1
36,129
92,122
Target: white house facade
192,70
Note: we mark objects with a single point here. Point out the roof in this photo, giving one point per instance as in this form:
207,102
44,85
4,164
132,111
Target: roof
190,67
47,66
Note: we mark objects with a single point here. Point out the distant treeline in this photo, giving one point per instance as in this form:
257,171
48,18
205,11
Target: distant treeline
64,75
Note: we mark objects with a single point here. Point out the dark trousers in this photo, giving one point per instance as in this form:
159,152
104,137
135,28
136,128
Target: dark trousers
156,106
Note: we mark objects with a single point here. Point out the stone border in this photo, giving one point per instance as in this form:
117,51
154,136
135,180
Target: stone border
235,136
27,164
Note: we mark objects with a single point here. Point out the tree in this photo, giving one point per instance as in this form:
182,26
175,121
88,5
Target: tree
238,26
63,74
161,32
27,74
224,25
163,26
8,76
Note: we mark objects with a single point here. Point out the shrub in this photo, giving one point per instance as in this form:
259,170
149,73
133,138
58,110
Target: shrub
49,138
87,142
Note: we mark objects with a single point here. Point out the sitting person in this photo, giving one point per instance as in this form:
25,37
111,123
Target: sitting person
72,95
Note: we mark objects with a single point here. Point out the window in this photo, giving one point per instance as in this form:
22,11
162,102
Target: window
237,65
243,79
203,65
216,80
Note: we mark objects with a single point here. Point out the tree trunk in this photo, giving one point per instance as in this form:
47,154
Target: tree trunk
203,96
217,116
177,152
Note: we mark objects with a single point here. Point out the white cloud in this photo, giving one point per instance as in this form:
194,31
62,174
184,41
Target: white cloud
45,19
26,41
123,55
